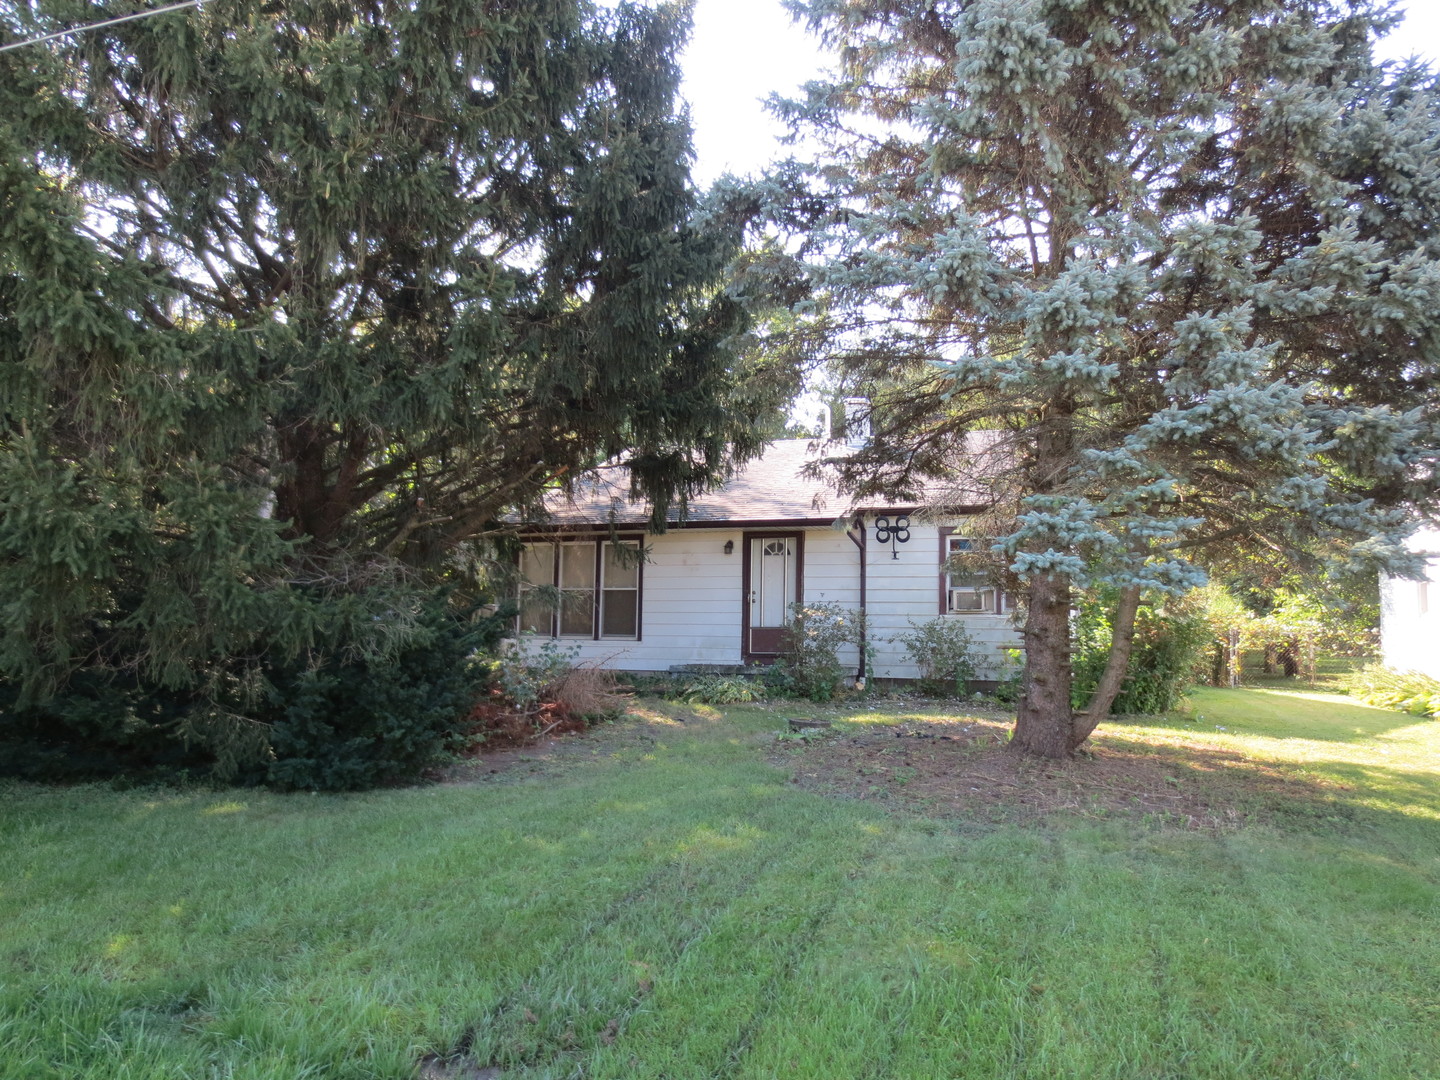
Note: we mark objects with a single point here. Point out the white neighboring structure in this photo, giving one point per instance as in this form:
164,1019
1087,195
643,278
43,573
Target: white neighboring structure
714,591
1410,613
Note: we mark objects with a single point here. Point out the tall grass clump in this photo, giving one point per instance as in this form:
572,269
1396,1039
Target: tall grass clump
1405,691
724,690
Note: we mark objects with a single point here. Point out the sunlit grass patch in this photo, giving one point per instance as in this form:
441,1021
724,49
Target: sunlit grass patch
1384,760
664,901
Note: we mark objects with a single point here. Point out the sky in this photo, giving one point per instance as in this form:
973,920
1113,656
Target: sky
744,50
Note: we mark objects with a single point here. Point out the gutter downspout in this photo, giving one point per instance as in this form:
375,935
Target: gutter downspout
860,547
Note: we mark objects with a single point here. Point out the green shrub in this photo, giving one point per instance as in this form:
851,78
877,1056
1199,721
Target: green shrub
945,654
525,674
1171,640
99,728
1008,676
1406,691
809,663
345,726
724,690
329,720
370,705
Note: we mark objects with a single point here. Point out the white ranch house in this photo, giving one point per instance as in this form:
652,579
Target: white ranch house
714,592
1410,613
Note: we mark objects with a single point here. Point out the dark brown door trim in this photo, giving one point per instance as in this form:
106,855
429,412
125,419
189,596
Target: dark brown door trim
749,656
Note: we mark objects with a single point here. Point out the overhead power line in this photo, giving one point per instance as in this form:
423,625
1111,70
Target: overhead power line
98,25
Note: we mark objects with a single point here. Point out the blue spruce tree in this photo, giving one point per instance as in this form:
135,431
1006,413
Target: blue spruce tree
1180,258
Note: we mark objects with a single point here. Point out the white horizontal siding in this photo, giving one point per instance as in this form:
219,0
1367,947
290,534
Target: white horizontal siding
691,603
689,606
903,587
832,576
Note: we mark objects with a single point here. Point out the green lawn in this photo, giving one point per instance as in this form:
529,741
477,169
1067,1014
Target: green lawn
664,903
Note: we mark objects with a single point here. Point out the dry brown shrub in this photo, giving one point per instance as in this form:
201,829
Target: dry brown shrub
494,724
589,691
565,705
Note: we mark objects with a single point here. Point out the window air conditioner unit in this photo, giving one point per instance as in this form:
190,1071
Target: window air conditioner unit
972,599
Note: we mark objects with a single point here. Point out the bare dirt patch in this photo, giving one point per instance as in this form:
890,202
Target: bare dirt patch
961,768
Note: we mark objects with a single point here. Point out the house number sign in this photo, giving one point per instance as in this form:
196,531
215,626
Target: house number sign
898,533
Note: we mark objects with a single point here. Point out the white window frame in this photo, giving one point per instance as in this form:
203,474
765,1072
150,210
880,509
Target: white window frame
603,590
990,599
595,549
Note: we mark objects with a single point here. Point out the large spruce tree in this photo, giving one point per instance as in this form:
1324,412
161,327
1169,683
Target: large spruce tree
1181,258
296,299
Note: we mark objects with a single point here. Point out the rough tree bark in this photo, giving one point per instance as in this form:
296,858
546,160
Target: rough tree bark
1045,724
1043,719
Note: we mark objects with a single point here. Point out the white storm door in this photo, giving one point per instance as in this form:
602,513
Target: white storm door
772,590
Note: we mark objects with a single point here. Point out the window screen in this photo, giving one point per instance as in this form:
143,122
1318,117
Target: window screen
577,590
537,567
620,591
967,591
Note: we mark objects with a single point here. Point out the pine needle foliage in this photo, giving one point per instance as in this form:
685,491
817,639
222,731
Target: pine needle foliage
1176,261
296,300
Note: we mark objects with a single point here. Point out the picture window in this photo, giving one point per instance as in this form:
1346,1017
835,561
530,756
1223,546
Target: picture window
581,589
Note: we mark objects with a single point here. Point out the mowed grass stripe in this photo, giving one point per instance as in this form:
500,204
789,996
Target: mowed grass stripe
708,1010
369,929
671,908
454,901
705,912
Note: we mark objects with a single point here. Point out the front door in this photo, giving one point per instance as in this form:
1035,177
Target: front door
773,584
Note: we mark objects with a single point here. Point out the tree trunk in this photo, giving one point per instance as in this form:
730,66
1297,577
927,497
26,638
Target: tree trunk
1290,658
1043,719
1117,664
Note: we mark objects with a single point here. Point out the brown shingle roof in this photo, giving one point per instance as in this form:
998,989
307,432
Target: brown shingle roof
772,487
